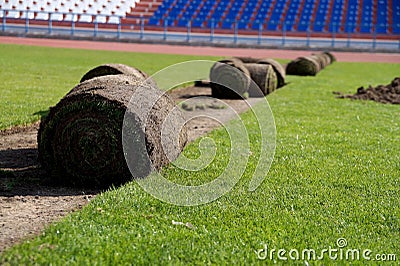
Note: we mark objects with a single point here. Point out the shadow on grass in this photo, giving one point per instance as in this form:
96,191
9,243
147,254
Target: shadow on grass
42,113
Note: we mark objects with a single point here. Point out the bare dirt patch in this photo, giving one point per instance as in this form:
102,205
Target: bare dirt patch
389,94
29,201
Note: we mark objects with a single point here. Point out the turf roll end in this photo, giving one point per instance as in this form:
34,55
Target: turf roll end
80,141
264,77
303,66
278,68
229,79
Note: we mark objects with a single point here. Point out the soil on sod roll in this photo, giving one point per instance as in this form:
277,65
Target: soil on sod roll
113,69
389,94
80,143
229,79
264,79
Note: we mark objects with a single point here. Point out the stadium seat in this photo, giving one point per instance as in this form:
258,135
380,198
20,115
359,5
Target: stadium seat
13,14
342,16
42,16
85,18
71,17
100,19
113,20
6,5
56,17
68,10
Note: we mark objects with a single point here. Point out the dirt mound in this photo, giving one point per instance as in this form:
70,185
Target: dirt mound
382,93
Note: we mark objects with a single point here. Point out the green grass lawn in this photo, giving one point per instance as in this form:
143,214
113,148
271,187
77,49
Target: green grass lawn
34,78
335,175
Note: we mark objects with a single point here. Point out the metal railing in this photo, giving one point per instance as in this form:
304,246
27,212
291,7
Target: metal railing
276,34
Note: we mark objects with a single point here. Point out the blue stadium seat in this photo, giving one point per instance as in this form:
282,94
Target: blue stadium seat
336,16
366,17
396,16
256,14
382,17
319,21
305,16
351,16
243,24
272,25
227,24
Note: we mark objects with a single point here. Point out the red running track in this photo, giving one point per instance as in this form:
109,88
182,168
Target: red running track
196,50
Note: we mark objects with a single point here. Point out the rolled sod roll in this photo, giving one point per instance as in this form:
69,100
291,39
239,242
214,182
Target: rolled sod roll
80,141
247,60
320,60
303,66
278,68
114,69
233,61
264,77
332,57
229,79
326,58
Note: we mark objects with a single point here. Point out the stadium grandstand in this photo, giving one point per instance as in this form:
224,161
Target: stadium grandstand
320,17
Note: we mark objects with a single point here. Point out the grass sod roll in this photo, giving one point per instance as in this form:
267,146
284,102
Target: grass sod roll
229,79
326,58
331,56
318,58
247,60
303,66
278,68
264,79
116,69
113,69
233,61
80,141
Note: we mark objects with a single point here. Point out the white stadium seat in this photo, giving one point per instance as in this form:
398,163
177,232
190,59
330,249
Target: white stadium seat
102,11
113,20
6,5
21,5
71,17
85,18
13,14
30,14
35,7
57,17
42,16
101,19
